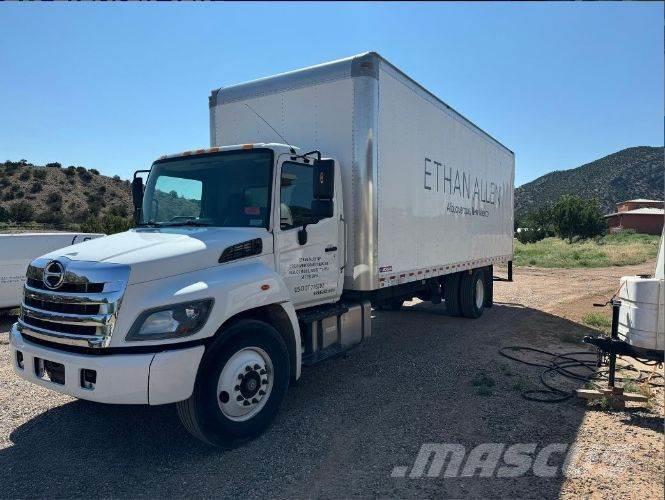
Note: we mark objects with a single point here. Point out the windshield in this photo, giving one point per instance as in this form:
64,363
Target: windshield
229,189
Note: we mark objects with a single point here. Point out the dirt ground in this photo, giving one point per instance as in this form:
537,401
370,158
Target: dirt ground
350,423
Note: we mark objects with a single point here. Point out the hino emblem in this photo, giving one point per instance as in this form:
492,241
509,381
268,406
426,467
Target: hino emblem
54,275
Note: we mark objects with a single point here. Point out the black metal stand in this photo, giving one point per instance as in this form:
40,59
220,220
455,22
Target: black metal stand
616,305
614,346
510,270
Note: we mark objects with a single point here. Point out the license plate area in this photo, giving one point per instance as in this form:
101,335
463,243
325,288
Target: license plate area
50,371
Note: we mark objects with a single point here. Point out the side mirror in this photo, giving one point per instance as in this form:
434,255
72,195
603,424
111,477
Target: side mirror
137,193
324,179
322,209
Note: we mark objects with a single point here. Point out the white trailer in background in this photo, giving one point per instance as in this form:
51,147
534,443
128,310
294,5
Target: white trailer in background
253,258
16,252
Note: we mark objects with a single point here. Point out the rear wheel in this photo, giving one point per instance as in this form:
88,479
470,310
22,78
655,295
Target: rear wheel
472,293
242,379
451,294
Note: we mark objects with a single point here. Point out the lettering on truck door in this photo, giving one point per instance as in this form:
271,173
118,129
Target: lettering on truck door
311,270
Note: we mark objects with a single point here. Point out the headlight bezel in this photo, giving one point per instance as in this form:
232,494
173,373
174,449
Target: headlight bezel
133,335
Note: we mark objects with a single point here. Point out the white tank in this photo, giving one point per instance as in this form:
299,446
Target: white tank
642,312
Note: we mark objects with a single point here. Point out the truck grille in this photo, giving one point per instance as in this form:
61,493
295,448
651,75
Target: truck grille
81,311
60,327
63,307
68,287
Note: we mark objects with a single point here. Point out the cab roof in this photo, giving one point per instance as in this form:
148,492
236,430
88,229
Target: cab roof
277,147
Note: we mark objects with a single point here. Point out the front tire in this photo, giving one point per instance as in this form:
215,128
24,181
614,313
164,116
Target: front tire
243,377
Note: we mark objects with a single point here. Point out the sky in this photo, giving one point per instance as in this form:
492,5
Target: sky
114,86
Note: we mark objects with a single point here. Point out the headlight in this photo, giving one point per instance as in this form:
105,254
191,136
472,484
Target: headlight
174,321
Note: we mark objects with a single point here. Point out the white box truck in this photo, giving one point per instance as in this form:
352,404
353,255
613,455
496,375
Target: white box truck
252,258
16,252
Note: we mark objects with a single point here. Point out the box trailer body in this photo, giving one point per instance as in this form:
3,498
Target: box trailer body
427,192
253,258
16,252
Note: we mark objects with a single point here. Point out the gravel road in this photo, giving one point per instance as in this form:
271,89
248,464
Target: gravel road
350,421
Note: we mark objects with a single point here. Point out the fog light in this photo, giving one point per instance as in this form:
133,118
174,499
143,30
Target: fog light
88,379
19,359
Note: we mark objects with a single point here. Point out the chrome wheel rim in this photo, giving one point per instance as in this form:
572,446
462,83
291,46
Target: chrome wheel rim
480,294
245,384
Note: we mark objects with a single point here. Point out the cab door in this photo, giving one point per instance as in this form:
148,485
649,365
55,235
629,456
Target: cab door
308,249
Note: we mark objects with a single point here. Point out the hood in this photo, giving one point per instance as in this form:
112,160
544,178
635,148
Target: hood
154,253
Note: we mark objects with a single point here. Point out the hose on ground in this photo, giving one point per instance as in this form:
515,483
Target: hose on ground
568,365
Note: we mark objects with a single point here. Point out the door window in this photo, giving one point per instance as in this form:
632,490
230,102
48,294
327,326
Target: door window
296,195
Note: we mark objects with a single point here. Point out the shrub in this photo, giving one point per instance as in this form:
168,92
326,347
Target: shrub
54,201
85,176
51,217
36,187
95,204
39,174
118,210
94,171
25,175
11,168
70,171
4,182
79,215
55,164
54,198
530,235
4,214
20,193
80,169
9,196
101,189
116,178
21,211
109,224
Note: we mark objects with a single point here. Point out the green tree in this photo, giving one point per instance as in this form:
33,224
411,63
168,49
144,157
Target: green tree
572,216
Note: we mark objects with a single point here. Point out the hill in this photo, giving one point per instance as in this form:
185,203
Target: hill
627,174
60,196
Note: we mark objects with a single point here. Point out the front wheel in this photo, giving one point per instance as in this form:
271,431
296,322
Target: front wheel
242,379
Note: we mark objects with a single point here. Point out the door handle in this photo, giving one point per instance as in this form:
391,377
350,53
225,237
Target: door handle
331,249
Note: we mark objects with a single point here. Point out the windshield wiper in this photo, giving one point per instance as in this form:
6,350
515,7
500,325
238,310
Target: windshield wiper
151,223
190,222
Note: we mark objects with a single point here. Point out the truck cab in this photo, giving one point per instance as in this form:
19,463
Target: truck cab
230,242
